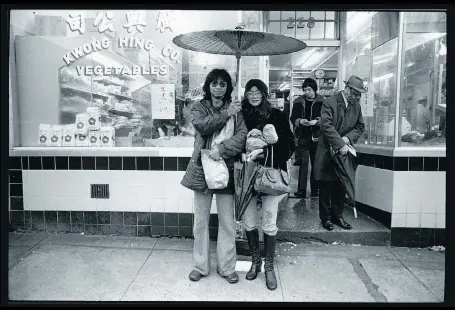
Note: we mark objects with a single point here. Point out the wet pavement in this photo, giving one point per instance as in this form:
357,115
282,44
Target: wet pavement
72,267
298,219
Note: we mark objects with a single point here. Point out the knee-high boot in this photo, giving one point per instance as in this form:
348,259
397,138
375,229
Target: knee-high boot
253,243
269,249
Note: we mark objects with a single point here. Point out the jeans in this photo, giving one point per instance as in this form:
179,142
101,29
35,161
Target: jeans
269,214
226,250
308,149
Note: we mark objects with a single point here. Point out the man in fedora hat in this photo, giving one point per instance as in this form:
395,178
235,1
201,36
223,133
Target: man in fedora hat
341,124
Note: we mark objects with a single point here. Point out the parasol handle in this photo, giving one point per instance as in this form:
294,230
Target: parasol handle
237,74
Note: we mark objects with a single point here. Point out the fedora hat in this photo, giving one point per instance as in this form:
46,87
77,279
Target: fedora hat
356,83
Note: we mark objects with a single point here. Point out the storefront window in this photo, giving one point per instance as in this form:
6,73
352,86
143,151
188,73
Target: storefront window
423,102
115,78
358,61
372,54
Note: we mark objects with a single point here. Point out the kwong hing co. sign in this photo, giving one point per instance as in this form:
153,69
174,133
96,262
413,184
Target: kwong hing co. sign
134,23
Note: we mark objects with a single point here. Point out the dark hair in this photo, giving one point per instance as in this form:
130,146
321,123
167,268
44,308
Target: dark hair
213,76
309,82
256,115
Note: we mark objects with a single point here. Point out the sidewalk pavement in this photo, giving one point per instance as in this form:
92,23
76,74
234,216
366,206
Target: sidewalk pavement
72,267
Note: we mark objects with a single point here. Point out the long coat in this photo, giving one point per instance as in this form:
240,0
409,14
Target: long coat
298,112
337,121
207,121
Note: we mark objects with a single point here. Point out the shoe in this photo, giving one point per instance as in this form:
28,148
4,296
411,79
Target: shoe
314,195
256,261
300,194
342,223
327,224
269,249
231,278
195,275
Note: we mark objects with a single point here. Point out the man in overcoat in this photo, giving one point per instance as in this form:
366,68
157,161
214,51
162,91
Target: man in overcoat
341,124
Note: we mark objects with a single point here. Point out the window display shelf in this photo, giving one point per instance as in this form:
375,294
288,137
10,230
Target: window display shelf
108,81
75,88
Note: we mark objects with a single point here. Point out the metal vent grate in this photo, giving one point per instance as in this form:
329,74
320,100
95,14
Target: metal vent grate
99,191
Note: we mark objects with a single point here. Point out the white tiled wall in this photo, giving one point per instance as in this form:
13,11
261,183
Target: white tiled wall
140,191
414,198
419,199
374,187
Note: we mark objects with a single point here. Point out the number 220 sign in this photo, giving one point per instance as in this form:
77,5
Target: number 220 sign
163,101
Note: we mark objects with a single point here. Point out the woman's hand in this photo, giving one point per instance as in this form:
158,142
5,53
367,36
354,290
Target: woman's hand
234,107
252,156
215,153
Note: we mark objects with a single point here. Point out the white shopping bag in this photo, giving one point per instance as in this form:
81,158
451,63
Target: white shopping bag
215,171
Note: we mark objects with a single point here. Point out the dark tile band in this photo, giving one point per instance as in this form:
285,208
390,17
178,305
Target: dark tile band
180,163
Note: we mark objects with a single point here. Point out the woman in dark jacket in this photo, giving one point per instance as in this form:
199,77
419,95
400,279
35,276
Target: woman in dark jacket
306,115
210,115
257,112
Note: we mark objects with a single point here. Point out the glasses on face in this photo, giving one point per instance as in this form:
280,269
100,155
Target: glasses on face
355,93
252,94
221,84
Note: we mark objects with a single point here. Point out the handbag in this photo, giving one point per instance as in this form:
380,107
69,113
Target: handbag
272,181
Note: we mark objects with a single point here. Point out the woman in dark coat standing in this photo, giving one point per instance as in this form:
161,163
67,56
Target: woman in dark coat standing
341,124
258,112
210,115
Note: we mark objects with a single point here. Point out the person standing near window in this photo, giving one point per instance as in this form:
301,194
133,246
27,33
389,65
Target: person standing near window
305,116
341,124
209,116
258,112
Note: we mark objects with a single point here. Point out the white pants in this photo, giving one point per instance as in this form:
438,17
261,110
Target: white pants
269,214
226,250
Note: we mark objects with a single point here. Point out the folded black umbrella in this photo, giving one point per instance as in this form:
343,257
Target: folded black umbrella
345,167
244,178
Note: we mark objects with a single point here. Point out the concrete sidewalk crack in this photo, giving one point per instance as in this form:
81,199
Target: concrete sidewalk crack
129,285
365,278
27,252
420,281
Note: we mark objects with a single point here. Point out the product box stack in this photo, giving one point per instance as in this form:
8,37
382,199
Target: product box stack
86,131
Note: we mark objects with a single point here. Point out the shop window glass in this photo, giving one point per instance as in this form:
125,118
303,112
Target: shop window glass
286,15
274,27
318,15
330,15
303,14
274,15
358,61
130,103
317,32
302,33
329,30
423,101
384,94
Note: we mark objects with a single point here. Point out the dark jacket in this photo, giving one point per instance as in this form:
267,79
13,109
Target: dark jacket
337,121
298,113
206,121
283,149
